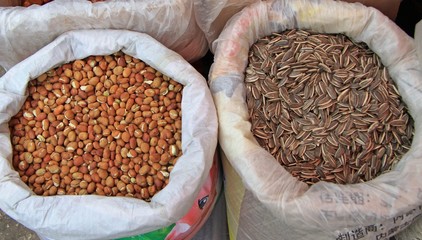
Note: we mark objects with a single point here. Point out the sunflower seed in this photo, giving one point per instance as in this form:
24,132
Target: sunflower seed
325,107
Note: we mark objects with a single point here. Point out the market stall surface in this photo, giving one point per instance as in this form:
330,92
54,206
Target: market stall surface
10,229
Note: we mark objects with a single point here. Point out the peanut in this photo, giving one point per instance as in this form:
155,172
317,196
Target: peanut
101,125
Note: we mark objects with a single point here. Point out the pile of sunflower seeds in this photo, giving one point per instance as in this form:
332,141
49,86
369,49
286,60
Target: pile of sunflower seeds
325,107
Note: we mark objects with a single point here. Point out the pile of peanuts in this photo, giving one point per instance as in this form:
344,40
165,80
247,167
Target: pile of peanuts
106,125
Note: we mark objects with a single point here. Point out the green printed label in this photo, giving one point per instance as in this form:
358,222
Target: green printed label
155,235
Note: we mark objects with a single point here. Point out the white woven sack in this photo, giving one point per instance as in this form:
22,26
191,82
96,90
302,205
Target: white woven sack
99,217
24,30
291,210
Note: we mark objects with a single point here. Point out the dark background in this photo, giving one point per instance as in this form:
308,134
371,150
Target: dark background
410,13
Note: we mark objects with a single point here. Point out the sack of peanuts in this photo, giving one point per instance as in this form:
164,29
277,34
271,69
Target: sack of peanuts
96,146
27,29
318,105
